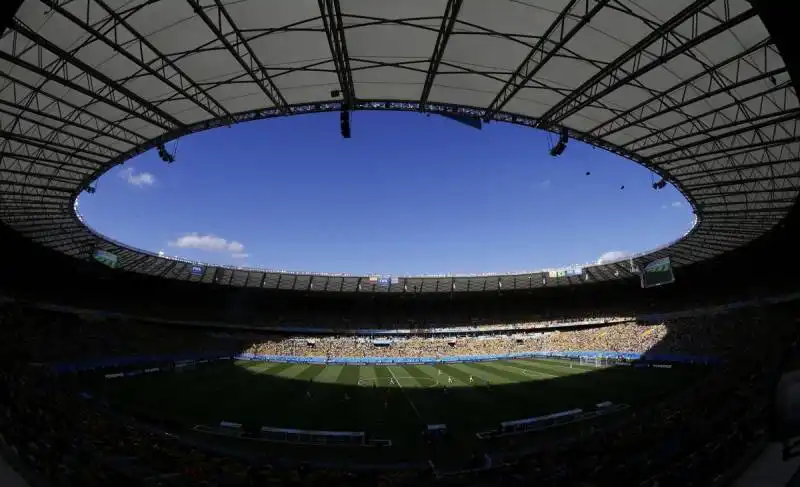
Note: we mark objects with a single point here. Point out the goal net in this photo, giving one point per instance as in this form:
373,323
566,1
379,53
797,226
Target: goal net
595,361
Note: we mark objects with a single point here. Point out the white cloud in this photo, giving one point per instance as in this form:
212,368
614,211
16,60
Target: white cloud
544,184
240,255
137,179
613,256
677,204
210,243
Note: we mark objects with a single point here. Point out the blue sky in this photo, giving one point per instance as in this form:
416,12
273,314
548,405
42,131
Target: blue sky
407,195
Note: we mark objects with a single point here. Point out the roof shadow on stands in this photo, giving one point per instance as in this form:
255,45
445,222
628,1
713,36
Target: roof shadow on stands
366,399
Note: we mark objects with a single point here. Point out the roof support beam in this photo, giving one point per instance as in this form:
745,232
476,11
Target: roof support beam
52,164
334,30
699,144
629,65
51,147
729,152
60,223
56,242
704,82
45,187
445,30
241,51
788,196
665,109
49,177
147,57
692,175
758,118
40,124
671,131
101,87
739,182
732,227
134,263
569,21
751,211
66,110
168,268
704,143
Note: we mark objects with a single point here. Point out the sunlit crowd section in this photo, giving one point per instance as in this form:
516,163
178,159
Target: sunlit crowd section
627,337
683,335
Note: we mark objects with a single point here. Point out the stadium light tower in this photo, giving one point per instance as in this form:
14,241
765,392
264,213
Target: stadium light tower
660,184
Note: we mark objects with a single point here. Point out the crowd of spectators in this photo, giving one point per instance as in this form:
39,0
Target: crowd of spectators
627,337
68,440
679,336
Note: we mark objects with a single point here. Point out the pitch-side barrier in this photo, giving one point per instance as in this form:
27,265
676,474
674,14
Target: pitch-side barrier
539,423
294,436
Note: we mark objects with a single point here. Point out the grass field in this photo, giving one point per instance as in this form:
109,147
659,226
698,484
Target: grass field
391,402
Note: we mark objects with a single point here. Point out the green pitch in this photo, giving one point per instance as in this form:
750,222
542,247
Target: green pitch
388,402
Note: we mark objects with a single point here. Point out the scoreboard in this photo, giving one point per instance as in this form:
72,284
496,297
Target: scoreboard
657,273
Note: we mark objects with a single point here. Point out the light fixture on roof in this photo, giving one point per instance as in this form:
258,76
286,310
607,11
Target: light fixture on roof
164,155
344,119
660,184
561,145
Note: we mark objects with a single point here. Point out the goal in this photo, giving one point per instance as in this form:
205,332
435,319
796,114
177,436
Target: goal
596,361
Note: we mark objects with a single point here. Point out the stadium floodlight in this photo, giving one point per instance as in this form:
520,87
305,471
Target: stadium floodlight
660,184
561,145
165,155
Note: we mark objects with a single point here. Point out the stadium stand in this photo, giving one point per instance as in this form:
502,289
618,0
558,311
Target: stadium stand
72,441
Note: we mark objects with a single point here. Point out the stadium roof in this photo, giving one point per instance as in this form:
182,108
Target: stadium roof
694,90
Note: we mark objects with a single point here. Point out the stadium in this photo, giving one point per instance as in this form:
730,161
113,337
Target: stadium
669,367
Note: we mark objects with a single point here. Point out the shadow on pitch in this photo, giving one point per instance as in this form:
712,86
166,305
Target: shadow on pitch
395,402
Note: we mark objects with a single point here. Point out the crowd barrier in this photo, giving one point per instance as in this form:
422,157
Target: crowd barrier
620,356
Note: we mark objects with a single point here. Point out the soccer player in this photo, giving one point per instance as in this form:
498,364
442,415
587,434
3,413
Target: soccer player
439,371
391,381
308,394
449,380
470,379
